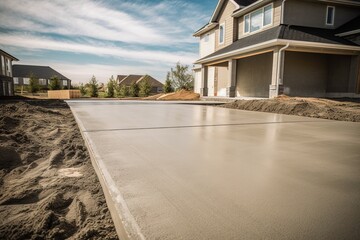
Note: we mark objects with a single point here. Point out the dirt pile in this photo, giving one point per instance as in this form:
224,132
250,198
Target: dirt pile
178,95
307,107
48,187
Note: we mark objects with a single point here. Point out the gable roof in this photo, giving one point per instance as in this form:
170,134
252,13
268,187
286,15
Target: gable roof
130,79
9,55
349,28
282,32
45,72
120,77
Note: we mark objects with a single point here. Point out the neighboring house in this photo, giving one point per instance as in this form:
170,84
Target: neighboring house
6,76
127,80
22,75
266,48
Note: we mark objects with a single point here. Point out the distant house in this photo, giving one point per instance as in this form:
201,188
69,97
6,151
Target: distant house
22,75
265,48
127,80
6,76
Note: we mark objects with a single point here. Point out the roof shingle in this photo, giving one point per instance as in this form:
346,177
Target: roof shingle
45,72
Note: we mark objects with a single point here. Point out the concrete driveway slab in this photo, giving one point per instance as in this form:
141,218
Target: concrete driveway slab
200,172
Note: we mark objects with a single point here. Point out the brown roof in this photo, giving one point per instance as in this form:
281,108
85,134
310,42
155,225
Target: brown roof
130,79
120,77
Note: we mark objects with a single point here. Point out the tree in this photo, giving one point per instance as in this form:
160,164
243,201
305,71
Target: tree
93,87
54,83
82,89
180,77
110,87
134,90
145,87
121,91
168,85
34,84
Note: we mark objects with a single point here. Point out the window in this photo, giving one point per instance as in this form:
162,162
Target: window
42,81
65,83
221,33
49,82
330,15
16,80
26,81
247,23
8,69
258,19
3,65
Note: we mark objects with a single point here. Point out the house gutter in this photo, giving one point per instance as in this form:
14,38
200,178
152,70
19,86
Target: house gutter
279,79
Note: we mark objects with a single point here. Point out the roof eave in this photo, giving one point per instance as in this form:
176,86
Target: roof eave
274,42
249,8
205,29
9,55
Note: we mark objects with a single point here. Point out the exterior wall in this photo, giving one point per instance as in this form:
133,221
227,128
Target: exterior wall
207,43
225,17
313,14
276,19
6,86
305,74
222,83
254,75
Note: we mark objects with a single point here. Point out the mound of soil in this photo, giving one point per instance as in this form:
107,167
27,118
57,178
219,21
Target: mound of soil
180,95
48,187
307,107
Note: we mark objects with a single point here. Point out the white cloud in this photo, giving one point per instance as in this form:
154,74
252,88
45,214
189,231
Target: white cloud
34,42
143,23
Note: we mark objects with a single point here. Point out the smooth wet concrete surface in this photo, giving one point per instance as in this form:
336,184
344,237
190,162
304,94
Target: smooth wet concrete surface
201,172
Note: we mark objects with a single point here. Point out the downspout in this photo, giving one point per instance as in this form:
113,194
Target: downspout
280,67
282,11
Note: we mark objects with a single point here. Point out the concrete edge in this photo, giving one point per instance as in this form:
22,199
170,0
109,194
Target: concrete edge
115,213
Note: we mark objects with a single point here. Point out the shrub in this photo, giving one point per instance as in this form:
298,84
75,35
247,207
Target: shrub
34,84
82,89
145,87
54,83
93,87
134,90
168,88
110,87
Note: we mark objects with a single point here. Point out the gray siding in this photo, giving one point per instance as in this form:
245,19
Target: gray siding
6,86
313,14
254,75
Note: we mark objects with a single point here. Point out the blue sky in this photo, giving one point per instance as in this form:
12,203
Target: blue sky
90,37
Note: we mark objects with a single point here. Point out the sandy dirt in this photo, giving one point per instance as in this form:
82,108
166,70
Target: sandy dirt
178,95
307,107
48,187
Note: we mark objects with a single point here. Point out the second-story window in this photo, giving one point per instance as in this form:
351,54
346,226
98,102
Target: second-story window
330,15
258,19
222,33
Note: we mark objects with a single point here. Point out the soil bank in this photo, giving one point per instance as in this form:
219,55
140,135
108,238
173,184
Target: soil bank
48,187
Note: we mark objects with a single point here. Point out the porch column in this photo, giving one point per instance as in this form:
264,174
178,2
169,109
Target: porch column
273,91
204,81
231,89
354,78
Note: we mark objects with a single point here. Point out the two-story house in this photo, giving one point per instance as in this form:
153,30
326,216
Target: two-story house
265,48
22,74
6,77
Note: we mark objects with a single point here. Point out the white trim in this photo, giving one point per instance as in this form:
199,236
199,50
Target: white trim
218,8
348,33
205,29
222,25
275,42
333,16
